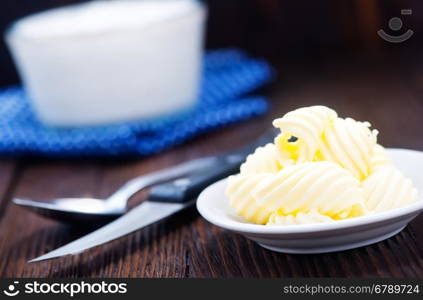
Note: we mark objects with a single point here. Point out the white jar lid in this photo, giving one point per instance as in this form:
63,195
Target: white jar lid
101,16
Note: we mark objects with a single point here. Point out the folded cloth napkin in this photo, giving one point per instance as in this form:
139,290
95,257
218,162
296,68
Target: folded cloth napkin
228,75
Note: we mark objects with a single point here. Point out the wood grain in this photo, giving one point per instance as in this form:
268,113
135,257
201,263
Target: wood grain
185,245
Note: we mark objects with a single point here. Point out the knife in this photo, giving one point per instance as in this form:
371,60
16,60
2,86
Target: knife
164,200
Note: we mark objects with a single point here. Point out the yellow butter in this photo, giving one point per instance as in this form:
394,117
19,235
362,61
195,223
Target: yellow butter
333,169
380,157
313,216
266,159
323,186
387,188
307,124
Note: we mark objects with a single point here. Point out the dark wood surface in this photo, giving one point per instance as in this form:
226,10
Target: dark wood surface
389,95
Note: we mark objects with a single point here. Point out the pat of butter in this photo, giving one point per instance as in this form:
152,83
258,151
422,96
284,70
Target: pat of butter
333,169
110,61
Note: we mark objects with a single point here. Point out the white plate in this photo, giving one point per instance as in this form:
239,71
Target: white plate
214,206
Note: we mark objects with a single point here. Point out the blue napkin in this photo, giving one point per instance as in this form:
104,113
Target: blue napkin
228,76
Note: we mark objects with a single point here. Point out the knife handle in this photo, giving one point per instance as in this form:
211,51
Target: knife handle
188,187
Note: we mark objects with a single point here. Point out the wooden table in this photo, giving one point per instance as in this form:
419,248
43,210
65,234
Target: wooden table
389,95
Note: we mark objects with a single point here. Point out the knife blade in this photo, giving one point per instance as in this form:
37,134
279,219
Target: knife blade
141,216
164,200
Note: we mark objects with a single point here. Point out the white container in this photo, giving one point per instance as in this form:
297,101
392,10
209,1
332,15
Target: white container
110,61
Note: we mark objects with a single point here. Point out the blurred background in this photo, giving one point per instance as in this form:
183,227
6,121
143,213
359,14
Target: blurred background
280,30
324,52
